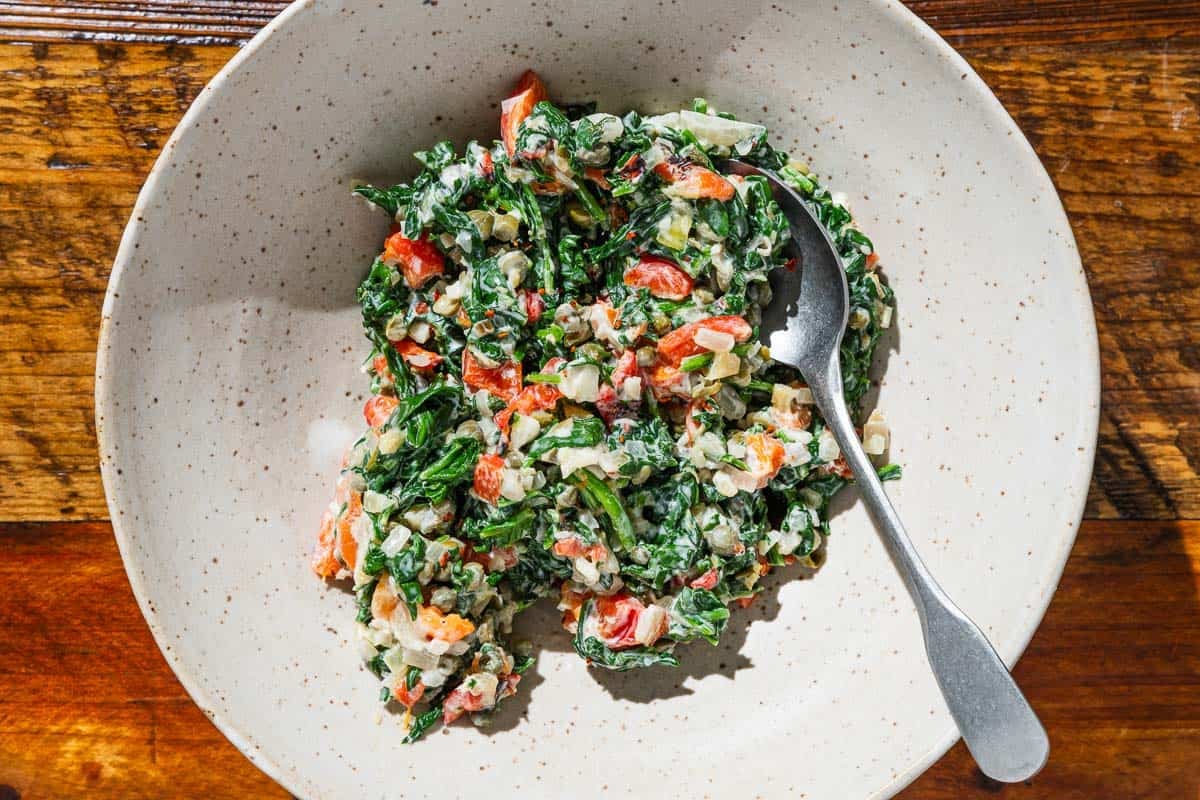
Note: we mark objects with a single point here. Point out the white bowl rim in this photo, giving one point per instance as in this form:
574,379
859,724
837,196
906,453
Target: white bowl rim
288,779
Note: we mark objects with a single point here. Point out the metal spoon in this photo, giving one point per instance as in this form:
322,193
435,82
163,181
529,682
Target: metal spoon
803,326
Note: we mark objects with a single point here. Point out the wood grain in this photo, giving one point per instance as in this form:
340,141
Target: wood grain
1117,132
1109,95
964,23
209,22
90,709
81,124
1114,672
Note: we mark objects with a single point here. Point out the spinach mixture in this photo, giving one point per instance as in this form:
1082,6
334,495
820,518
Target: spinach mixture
568,399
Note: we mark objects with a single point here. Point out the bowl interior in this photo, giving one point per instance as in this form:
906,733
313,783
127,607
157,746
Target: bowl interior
228,385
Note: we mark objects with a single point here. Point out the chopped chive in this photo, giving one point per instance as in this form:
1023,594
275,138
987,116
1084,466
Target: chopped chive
693,363
589,203
736,463
539,377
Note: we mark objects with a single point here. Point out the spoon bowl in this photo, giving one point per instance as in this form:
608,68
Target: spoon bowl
804,323
803,326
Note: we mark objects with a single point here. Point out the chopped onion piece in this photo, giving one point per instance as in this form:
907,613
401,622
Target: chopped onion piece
723,483
510,485
875,434
581,382
724,365
827,447
395,541
524,430
718,131
716,341
573,458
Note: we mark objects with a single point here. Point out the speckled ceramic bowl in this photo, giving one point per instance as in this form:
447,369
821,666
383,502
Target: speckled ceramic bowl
227,384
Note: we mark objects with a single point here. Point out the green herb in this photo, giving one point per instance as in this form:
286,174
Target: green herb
697,613
736,463
599,497
365,593
648,444
641,227
453,468
375,560
889,472
507,531
584,432
675,546
377,665
422,723
589,203
387,199
696,362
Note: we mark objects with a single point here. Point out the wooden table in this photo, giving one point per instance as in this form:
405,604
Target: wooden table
1109,94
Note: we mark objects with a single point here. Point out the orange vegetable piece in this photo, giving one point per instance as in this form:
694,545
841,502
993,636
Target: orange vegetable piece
378,409
662,277
343,489
765,456
513,111
548,188
445,627
694,182
839,467
460,701
573,547
323,561
681,342
346,546
664,379
503,381
633,168
706,581
537,397
625,368
570,602
379,366
533,304
691,424
384,600
618,617
417,357
408,697
487,477
487,166
596,176
418,259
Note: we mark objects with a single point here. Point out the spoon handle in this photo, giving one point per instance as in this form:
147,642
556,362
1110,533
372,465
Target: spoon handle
1000,729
